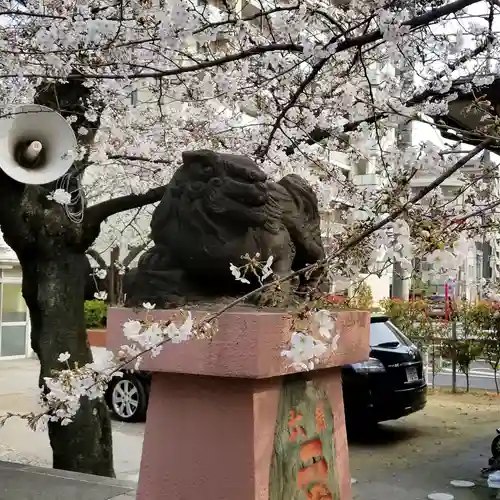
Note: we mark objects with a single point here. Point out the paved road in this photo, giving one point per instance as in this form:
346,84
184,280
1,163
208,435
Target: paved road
481,377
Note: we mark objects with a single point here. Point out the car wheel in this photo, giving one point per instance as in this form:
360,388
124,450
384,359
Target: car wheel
128,399
495,447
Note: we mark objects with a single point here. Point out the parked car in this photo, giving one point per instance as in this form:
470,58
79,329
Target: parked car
127,396
437,306
389,385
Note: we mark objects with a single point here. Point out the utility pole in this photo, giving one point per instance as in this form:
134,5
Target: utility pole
486,161
400,279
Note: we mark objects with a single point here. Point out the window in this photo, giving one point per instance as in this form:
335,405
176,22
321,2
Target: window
420,265
362,166
250,9
219,45
384,332
13,305
11,273
13,315
13,340
134,97
346,172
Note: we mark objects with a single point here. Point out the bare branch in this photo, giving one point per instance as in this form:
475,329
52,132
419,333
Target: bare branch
139,158
312,75
134,252
101,211
92,252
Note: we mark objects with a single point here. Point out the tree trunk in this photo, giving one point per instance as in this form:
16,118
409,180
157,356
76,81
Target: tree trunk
53,288
467,381
495,371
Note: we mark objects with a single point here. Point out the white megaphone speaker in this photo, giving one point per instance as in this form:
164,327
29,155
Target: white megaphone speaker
37,145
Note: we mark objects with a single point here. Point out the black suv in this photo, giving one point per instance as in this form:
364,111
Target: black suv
389,385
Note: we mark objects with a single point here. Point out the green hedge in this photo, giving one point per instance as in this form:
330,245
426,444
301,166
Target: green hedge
95,314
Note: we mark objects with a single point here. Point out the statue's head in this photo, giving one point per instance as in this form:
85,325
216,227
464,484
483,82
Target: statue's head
229,186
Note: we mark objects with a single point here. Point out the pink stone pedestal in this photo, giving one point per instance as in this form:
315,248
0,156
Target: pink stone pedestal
214,407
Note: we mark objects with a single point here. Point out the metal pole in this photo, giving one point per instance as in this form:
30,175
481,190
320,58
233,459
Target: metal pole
454,355
400,282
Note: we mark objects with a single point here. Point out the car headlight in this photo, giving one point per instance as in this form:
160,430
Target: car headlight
373,365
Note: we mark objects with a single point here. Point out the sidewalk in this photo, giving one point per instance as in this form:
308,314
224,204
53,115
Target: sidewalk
18,482
18,443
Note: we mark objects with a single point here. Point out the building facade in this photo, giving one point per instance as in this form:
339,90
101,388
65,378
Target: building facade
481,265
14,316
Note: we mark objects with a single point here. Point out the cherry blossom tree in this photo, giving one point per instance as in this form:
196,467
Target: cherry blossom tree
288,83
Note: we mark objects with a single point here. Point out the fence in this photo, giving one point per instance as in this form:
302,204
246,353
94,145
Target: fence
459,353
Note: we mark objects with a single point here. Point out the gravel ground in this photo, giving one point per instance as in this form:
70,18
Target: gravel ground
420,454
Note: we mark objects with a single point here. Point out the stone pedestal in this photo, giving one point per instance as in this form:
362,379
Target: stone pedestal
228,419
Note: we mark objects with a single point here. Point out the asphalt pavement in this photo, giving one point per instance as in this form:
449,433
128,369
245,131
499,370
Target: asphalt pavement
481,376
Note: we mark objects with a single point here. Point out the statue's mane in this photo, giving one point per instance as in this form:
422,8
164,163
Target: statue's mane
197,203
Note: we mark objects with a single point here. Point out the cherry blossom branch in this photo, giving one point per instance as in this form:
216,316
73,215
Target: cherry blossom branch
254,51
348,43
491,206
364,234
319,134
31,14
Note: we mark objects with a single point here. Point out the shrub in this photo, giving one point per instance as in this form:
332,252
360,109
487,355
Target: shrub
95,314
362,297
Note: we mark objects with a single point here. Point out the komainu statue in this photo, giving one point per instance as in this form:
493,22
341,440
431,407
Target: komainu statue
217,208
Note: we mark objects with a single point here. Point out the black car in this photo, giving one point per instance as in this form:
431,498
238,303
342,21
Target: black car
389,385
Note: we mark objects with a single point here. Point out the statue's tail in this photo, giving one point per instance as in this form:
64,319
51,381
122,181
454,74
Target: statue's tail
303,224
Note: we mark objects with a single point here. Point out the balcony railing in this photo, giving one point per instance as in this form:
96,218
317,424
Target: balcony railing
366,180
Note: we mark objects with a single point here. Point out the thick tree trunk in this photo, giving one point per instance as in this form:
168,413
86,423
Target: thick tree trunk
51,248
53,288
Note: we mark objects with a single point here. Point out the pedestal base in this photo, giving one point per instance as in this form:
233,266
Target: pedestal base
217,438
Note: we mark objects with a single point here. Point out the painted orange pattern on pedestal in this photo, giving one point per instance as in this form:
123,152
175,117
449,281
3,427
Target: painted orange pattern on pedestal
303,465
320,417
311,478
296,430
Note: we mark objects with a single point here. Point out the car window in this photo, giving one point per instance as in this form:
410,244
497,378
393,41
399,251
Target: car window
385,332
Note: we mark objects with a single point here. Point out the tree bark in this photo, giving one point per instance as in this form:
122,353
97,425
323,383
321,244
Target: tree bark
51,250
53,290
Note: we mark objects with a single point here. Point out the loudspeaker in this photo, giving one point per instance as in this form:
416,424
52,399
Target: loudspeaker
37,145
